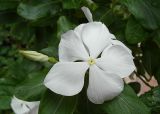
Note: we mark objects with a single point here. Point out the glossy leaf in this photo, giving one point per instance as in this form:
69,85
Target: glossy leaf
146,11
35,10
126,103
71,4
151,57
52,103
63,25
134,32
22,32
152,100
157,38
32,88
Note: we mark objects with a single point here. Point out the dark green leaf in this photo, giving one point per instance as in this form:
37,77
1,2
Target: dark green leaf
23,32
7,81
146,11
126,103
104,15
6,90
157,75
84,106
157,38
70,4
151,57
52,103
152,100
35,9
8,17
136,86
3,33
50,51
5,102
32,88
46,36
134,32
8,4
63,25
25,67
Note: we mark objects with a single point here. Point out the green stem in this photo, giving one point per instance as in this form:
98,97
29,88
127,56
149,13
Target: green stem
52,60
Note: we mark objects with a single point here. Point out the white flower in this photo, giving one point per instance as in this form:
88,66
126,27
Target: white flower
90,46
24,107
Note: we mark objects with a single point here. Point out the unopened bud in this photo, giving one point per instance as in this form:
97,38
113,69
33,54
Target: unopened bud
35,56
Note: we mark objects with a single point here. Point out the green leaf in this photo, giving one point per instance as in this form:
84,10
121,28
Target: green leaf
107,17
5,102
52,103
157,38
152,100
3,33
151,57
9,17
63,25
134,32
8,4
49,19
6,90
25,67
126,103
46,36
71,4
135,86
146,11
7,81
84,106
50,51
22,32
32,88
35,9
157,75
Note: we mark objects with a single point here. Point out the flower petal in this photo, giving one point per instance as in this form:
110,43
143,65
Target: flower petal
71,48
34,110
116,42
116,59
24,107
87,13
96,37
78,30
103,86
66,78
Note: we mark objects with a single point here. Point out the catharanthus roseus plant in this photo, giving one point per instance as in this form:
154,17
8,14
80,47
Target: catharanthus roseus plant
56,57
90,46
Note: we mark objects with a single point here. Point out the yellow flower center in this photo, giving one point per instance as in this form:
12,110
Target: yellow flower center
91,61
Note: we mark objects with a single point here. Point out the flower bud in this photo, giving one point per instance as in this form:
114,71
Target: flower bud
35,56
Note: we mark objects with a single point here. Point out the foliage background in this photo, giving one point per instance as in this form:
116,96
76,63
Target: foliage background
38,24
